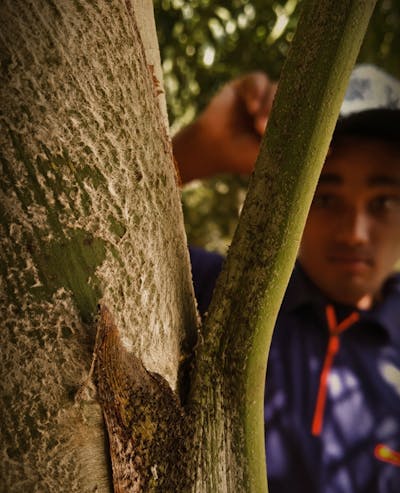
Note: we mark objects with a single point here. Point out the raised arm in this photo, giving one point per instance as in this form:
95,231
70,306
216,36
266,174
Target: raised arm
225,138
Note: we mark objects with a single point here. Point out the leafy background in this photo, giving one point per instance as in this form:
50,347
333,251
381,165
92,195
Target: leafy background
206,43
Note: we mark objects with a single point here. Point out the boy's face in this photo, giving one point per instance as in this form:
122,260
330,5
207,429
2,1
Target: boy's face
351,240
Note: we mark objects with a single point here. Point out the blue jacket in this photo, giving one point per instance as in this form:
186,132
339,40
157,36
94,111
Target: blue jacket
332,399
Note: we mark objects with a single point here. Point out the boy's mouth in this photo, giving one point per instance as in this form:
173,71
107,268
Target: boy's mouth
352,262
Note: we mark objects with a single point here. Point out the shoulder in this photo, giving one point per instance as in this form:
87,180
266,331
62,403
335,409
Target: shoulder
206,267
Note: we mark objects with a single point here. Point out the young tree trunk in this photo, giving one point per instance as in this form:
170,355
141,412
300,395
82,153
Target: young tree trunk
89,212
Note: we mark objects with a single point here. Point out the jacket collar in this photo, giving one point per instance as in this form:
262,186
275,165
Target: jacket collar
301,291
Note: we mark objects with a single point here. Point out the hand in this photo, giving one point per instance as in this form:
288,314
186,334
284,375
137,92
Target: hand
226,136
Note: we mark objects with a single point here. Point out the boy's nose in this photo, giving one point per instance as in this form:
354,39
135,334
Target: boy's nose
354,227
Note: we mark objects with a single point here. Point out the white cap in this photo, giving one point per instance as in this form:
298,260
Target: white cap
370,88
371,105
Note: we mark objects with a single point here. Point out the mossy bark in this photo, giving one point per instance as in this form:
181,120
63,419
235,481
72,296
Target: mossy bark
89,212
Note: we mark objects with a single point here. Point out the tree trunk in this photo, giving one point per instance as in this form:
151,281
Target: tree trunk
90,212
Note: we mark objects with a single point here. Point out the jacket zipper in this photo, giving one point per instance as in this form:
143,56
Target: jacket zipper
335,330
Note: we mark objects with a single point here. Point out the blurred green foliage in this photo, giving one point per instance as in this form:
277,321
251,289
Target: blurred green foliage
204,44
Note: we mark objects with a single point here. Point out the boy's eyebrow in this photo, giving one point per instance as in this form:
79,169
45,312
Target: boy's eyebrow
330,179
384,180
374,180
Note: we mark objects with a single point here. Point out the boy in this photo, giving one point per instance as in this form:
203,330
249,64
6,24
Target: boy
332,404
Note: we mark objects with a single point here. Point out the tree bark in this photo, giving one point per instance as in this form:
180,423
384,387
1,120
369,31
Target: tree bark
90,212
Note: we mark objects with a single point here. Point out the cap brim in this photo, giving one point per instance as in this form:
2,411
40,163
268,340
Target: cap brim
379,123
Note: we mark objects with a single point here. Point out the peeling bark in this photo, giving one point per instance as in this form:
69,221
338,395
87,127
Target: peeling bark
149,432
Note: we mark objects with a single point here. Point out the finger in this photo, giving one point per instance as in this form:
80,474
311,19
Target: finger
253,89
264,110
260,124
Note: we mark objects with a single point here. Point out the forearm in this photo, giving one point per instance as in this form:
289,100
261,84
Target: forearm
194,153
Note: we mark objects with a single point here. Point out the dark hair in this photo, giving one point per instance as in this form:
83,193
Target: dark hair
380,123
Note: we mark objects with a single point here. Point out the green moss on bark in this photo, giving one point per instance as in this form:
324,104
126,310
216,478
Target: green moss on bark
71,263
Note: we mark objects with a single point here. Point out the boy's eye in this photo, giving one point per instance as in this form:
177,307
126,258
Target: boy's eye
385,203
325,201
